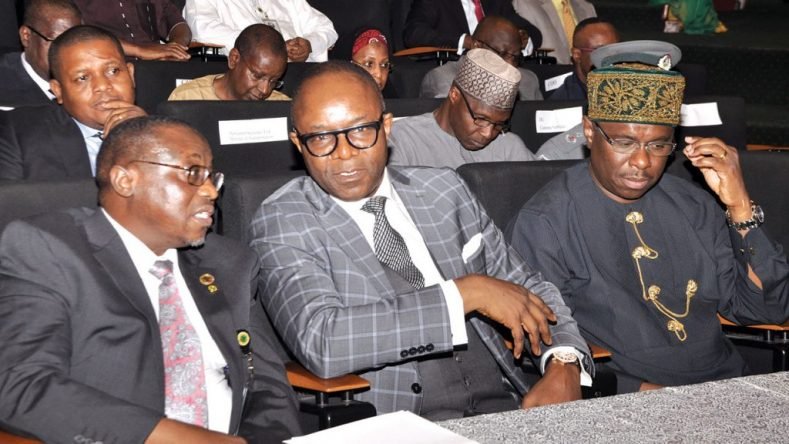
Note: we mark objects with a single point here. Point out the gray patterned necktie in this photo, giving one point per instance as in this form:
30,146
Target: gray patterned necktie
184,374
390,247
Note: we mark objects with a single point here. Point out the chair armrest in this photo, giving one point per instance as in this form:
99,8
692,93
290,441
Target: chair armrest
300,378
7,438
420,50
766,327
598,352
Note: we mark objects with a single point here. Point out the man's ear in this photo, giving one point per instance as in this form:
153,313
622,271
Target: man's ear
130,67
123,180
54,86
588,131
294,139
233,58
388,119
454,94
24,36
575,53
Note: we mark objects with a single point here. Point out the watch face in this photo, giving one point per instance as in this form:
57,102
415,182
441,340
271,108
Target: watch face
758,214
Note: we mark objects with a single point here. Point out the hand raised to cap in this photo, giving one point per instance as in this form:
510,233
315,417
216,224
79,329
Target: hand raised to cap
720,165
512,306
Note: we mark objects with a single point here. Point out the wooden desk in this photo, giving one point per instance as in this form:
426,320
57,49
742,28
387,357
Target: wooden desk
206,51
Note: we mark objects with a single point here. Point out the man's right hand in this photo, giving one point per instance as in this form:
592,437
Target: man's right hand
512,306
157,51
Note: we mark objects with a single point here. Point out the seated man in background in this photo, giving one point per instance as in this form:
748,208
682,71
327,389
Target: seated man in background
450,23
308,33
128,323
385,271
147,29
498,35
470,124
589,35
556,20
646,260
95,88
24,77
256,64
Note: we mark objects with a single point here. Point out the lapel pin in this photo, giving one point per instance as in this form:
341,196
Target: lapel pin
213,289
207,279
242,336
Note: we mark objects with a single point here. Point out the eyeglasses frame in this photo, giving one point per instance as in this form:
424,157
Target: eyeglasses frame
217,178
646,145
302,138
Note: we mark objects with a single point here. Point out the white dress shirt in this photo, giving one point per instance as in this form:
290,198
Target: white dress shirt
220,22
42,83
218,391
93,143
398,217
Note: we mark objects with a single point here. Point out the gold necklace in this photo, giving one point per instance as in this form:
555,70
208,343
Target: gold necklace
652,293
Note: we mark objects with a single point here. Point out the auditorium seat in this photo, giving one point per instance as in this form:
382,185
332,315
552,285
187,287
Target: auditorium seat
155,80
732,129
525,114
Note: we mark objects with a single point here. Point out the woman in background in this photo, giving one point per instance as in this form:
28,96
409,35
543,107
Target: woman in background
690,16
371,52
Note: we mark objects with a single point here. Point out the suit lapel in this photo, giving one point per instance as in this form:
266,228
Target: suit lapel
73,153
216,311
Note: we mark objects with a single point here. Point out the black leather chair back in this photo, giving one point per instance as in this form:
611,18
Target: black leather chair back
411,107
242,196
732,130
524,119
244,158
545,72
20,199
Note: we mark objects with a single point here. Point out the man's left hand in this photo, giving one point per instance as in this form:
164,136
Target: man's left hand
560,383
720,165
298,49
120,111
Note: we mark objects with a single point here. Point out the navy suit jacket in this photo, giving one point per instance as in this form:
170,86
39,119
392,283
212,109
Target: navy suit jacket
41,143
441,22
81,354
16,86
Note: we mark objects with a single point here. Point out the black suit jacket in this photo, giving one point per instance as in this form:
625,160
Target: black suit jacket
41,143
441,22
81,352
16,86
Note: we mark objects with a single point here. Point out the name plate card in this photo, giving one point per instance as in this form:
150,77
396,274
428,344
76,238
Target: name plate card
558,120
556,82
234,132
699,114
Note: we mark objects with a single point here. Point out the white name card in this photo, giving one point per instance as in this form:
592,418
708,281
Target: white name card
234,132
558,120
6,108
179,82
699,114
556,82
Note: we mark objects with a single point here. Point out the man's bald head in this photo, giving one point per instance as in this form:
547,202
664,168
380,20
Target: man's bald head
500,36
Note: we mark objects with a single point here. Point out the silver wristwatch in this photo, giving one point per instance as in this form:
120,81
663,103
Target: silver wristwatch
565,357
757,218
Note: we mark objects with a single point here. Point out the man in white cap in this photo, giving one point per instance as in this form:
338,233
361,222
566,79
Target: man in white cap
646,260
470,125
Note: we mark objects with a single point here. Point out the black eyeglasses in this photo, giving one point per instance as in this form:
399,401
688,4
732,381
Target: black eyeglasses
484,122
195,175
512,58
629,146
368,65
323,143
35,31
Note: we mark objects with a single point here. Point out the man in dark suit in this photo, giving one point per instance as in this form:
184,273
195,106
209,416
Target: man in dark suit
128,323
95,86
450,23
414,298
24,76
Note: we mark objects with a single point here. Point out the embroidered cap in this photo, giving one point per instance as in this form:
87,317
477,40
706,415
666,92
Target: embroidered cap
486,77
633,83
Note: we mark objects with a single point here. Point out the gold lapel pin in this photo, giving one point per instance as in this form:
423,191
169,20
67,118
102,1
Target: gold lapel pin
212,289
207,279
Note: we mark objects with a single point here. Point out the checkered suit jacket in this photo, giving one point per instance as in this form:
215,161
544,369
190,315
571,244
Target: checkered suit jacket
331,302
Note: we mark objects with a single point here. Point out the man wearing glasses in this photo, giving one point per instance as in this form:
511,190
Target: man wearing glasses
24,77
129,323
646,260
496,34
256,65
470,125
397,273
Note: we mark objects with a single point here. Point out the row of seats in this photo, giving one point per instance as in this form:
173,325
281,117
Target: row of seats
156,80
262,146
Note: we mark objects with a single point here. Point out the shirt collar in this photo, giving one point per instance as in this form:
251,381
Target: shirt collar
42,83
142,256
86,131
384,189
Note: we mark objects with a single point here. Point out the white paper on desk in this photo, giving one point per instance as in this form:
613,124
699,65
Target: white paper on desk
558,120
273,129
699,114
556,82
392,428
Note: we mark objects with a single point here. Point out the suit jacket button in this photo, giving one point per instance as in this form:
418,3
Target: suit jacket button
416,388
420,349
412,351
429,347
404,354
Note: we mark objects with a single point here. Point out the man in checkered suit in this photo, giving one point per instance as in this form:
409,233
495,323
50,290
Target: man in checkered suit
435,347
